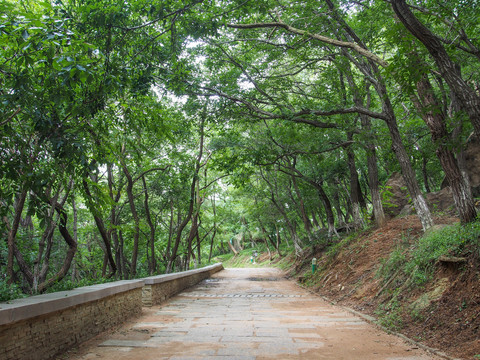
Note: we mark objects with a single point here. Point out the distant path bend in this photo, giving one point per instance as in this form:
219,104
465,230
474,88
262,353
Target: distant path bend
248,314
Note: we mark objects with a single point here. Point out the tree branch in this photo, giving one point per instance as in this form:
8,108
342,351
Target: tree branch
324,39
11,117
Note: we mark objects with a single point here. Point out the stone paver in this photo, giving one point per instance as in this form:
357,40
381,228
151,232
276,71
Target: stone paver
248,314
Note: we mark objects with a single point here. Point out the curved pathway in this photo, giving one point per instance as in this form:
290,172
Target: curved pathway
247,314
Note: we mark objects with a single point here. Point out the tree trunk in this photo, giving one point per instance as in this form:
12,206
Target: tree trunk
373,183
423,212
291,227
315,221
12,234
75,238
72,249
431,112
136,219
193,188
341,218
152,266
112,233
467,97
301,206
370,69
214,229
170,232
40,274
456,135
425,174
100,226
355,190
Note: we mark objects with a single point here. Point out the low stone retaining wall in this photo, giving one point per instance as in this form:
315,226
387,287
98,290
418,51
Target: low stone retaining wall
41,327
161,287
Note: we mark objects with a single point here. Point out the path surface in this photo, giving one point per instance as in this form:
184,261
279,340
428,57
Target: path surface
247,314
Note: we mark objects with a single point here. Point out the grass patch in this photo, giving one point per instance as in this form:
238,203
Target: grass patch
390,315
452,240
417,262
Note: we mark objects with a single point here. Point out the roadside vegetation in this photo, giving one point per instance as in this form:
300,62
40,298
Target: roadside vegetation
146,137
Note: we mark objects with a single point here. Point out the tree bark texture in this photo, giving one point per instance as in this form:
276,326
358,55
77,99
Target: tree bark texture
355,190
430,110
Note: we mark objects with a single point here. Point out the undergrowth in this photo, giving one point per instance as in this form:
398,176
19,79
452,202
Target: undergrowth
418,261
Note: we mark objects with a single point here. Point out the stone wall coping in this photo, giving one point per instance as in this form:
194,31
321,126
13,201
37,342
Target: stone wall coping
158,279
21,309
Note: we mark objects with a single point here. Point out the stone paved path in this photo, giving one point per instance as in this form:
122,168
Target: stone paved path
248,314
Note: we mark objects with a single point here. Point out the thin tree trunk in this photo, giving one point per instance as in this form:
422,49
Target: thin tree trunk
12,234
373,183
425,174
341,218
214,229
297,244
354,186
315,221
327,206
152,264
301,206
46,238
72,249
75,237
460,151
193,188
136,219
100,226
112,233
170,232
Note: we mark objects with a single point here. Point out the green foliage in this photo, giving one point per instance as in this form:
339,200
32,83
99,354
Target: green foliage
9,292
96,91
395,262
390,315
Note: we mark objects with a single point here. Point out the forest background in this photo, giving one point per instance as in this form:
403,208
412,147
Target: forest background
139,138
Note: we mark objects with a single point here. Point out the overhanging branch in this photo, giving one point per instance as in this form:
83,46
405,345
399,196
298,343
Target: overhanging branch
324,39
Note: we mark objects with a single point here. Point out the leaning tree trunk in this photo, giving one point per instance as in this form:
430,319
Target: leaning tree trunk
431,113
100,225
469,100
370,68
328,208
421,207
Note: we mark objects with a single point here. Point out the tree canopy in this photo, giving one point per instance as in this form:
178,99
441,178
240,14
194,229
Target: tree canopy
141,137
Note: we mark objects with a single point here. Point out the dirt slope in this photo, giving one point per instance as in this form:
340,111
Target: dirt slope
442,314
